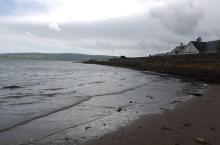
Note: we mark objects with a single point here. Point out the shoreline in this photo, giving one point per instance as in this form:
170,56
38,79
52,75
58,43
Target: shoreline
202,67
194,122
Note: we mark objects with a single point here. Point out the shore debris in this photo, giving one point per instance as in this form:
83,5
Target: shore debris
201,141
186,124
197,94
151,97
212,128
139,127
165,128
81,84
164,109
174,102
88,127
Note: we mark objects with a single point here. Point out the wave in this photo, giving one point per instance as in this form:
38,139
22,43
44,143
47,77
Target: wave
86,98
41,116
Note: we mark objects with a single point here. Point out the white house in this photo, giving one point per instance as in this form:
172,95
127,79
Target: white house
195,47
178,50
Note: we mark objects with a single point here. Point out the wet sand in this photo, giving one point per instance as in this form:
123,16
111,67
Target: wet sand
196,122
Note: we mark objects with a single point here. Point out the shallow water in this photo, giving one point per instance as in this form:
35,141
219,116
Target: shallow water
45,102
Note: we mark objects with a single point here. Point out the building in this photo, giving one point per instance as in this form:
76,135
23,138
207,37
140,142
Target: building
178,50
195,47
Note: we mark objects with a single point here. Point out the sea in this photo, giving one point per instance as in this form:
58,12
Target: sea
63,102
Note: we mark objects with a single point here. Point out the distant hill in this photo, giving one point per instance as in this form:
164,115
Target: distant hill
53,56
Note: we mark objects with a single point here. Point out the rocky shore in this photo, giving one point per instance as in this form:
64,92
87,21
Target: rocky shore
195,122
204,67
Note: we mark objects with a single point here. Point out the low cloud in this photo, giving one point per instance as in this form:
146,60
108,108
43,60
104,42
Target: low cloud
54,26
180,17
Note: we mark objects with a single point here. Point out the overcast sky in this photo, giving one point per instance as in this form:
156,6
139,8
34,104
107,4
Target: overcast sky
118,27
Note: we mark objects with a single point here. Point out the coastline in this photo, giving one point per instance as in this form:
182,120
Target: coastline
106,99
71,126
203,67
191,123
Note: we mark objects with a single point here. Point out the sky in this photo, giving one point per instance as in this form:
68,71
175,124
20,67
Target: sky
105,27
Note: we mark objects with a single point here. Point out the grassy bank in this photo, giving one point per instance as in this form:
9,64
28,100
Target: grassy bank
201,66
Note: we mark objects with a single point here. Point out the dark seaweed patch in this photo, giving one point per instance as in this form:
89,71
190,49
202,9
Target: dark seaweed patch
12,87
50,94
18,96
98,82
24,103
54,89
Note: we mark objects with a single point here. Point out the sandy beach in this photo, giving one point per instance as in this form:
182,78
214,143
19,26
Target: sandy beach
196,122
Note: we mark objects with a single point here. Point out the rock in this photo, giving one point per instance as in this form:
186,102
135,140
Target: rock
119,109
88,127
131,102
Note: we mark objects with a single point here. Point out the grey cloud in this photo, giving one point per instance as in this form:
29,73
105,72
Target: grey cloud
132,28
54,26
134,36
181,17
130,36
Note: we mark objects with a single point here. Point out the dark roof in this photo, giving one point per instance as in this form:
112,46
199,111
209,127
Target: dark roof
178,49
205,47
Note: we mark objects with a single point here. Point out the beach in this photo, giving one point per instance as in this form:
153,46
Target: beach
196,122
110,72
66,103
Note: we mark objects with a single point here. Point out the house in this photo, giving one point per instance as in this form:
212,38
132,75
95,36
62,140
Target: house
195,47
203,47
178,50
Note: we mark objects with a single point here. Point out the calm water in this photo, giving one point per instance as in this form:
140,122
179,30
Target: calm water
53,101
